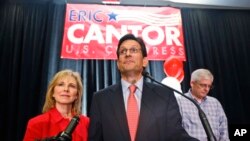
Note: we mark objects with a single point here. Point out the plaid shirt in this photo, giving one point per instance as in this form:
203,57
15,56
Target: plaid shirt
215,115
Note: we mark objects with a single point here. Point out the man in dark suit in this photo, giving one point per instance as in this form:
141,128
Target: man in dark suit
159,118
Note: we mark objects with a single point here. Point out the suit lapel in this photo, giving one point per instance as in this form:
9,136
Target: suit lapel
145,112
117,102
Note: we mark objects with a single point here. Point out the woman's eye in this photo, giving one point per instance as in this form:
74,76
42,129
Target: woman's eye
72,86
60,84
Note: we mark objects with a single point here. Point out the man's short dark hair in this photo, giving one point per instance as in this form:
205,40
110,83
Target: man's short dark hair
132,37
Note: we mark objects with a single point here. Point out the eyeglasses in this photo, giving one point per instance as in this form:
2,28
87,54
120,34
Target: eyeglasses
205,85
131,50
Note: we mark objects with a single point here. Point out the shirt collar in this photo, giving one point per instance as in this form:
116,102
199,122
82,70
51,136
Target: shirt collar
56,115
138,84
191,96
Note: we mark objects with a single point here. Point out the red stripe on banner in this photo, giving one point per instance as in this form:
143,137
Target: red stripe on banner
92,31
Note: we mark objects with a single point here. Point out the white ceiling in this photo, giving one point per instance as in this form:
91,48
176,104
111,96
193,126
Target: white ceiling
217,4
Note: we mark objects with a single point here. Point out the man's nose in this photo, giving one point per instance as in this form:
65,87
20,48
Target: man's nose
128,53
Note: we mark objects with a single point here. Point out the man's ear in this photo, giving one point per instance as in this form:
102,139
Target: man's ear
145,62
117,64
192,83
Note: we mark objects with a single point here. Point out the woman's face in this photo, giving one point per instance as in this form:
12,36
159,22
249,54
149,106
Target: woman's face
65,91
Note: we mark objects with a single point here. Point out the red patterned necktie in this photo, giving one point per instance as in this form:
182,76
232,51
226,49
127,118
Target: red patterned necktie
132,112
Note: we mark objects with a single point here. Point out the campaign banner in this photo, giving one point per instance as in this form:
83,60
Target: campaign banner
92,31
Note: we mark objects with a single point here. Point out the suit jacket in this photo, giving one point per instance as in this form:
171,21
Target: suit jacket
159,119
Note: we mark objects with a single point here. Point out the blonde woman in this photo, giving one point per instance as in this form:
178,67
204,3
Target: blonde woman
63,102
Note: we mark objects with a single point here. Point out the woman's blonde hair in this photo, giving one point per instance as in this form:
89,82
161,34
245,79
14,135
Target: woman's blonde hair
50,101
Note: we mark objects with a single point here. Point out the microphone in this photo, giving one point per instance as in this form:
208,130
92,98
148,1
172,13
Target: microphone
66,135
146,74
202,115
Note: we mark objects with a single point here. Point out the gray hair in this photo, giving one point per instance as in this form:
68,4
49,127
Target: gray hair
199,74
